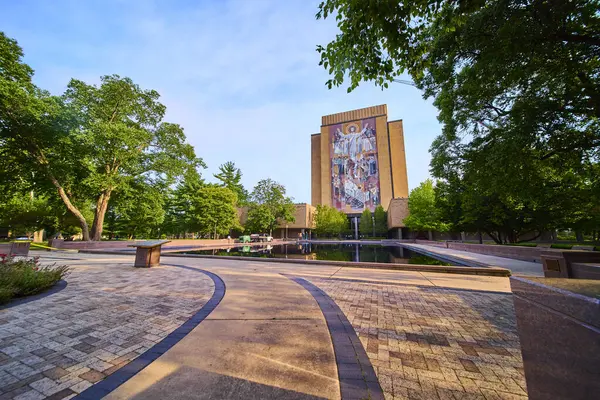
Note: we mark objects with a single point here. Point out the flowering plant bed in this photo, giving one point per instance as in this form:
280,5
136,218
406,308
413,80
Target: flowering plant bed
25,277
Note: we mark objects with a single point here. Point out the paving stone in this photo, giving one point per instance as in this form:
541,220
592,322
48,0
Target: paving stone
81,386
30,395
7,379
115,367
438,343
21,371
55,373
61,395
14,393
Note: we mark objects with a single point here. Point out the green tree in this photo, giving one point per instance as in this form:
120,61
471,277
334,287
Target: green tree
516,84
179,202
269,206
89,142
24,213
380,218
214,210
329,221
125,137
527,64
366,222
231,178
137,211
516,203
423,213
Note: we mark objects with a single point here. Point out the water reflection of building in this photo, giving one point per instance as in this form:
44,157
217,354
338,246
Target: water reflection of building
358,161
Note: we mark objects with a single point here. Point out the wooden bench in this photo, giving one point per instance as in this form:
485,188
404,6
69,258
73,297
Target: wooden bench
147,253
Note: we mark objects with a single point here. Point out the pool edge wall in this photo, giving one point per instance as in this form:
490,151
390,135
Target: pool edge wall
489,271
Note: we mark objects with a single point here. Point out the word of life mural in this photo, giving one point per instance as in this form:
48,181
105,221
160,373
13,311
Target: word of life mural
354,172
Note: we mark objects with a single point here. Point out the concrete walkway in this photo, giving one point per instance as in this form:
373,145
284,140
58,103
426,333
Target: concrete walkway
270,337
267,339
517,267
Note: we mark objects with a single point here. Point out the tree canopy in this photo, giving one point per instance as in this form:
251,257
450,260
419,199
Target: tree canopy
366,223
517,86
268,206
329,221
214,210
380,221
423,213
89,142
231,178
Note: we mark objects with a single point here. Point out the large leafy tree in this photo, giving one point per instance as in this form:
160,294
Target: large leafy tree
213,210
137,210
89,142
231,178
329,221
514,203
36,144
517,84
124,138
423,213
24,213
269,205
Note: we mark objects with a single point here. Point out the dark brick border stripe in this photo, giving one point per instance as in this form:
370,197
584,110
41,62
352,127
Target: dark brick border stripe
125,373
58,286
355,372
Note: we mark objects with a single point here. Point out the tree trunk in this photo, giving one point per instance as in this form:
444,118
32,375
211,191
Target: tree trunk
85,231
579,236
101,207
495,237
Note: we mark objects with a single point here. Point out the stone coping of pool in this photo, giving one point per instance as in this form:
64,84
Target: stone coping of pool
490,271
576,298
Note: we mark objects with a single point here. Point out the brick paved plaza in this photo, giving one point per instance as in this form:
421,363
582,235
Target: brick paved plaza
430,343
106,316
423,341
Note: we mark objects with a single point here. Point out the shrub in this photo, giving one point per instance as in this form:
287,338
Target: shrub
25,277
562,246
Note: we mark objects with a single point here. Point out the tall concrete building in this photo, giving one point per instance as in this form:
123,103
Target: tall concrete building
358,161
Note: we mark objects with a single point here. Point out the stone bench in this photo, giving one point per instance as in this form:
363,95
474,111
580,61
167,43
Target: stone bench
147,253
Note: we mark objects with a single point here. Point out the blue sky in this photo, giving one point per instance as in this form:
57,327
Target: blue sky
240,76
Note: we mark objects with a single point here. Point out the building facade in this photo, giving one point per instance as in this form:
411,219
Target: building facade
301,227
358,161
